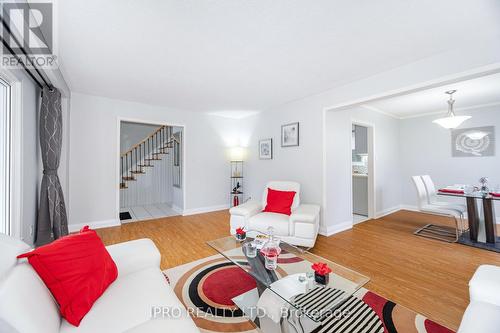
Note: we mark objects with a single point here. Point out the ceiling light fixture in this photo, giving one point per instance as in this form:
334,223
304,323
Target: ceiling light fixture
451,120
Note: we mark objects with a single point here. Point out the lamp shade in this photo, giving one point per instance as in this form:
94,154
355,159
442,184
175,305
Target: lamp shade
237,153
451,121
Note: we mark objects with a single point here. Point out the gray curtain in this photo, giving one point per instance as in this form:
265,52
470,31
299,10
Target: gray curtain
52,221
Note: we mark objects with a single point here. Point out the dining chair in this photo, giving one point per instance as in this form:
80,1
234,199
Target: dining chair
432,199
439,232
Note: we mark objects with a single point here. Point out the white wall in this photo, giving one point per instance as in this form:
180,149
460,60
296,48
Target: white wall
305,163
338,176
426,149
133,133
94,157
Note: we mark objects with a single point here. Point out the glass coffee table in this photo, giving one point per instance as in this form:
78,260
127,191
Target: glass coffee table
287,296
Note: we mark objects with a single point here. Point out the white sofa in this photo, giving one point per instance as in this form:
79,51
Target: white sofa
483,313
300,228
27,306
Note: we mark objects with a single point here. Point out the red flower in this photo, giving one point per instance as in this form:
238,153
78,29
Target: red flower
240,231
321,268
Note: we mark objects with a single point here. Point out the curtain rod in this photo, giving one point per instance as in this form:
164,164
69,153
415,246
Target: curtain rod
46,82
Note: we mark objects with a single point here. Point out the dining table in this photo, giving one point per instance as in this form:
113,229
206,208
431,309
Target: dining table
482,231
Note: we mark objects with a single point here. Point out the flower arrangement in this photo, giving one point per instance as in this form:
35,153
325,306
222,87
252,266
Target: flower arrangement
321,273
241,234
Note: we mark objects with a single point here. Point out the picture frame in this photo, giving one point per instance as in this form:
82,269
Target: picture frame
290,135
473,142
266,149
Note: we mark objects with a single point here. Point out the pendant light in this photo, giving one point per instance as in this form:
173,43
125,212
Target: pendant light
451,120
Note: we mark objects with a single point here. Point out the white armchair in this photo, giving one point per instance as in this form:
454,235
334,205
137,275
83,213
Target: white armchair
483,313
300,228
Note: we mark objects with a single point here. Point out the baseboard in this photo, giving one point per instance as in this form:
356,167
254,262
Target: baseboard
334,229
94,225
202,210
177,209
387,211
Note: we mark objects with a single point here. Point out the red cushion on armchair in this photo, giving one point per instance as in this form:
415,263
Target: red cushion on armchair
279,201
77,269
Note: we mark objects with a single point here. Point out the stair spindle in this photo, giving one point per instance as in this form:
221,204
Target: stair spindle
161,137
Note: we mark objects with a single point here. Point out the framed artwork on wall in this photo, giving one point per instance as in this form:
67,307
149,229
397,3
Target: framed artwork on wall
266,149
473,142
290,135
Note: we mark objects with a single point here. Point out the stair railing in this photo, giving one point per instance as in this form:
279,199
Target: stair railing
140,156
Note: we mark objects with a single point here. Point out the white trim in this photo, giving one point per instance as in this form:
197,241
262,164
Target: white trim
177,209
94,225
411,208
387,211
375,109
118,152
201,210
16,154
335,229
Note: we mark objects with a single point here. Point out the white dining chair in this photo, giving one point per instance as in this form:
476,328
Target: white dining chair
439,232
432,199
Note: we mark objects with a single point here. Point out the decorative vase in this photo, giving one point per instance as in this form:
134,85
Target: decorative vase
321,273
241,234
322,279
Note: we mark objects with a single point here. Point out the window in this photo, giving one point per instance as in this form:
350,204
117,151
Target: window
5,126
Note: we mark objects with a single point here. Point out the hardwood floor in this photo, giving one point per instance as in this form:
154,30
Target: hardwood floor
425,275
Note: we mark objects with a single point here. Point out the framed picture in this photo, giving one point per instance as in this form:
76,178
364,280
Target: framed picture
266,149
473,142
290,135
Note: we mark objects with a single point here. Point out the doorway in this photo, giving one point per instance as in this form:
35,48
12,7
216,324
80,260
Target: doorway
362,172
150,171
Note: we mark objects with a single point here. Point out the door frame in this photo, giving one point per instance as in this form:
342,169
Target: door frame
119,120
371,169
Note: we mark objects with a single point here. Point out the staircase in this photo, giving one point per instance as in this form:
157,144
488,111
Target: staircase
140,157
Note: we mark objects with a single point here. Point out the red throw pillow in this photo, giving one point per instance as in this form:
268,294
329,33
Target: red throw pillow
279,201
77,269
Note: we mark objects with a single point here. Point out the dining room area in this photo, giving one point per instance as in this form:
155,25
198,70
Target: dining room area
440,143
448,159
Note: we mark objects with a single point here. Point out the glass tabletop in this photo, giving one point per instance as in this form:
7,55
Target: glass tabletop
476,194
289,280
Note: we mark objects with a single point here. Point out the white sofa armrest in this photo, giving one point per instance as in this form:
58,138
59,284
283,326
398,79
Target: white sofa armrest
247,209
134,256
305,213
485,285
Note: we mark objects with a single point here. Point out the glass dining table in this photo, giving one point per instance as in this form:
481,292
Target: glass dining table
482,230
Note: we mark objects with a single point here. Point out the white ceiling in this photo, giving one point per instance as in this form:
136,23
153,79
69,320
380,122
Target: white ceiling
224,55
471,94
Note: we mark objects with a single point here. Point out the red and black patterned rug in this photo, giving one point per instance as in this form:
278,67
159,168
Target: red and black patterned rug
209,285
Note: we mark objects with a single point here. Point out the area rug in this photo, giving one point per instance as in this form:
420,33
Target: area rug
209,285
